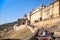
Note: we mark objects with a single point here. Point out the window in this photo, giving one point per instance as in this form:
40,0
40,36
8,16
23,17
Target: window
36,21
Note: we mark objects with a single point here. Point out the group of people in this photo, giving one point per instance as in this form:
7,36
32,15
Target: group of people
45,32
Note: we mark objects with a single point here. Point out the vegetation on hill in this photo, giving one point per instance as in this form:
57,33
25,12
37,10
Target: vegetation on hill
6,25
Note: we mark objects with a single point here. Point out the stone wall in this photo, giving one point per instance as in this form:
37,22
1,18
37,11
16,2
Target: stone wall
50,11
35,16
21,22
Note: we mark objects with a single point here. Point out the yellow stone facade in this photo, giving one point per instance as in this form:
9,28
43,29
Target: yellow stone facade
44,12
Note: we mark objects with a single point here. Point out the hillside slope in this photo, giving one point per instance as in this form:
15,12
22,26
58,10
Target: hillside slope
47,23
19,34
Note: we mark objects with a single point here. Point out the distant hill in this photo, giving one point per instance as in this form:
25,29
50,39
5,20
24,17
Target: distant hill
6,25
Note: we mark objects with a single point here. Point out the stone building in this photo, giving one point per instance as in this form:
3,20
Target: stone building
44,12
22,21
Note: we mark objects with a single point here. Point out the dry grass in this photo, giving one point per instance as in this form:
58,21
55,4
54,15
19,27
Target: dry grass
19,34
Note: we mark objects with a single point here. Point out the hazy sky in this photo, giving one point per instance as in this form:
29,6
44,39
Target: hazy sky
11,10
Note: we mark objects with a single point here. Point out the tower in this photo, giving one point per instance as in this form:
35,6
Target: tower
41,8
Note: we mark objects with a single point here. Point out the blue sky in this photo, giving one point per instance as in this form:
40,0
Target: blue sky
11,10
